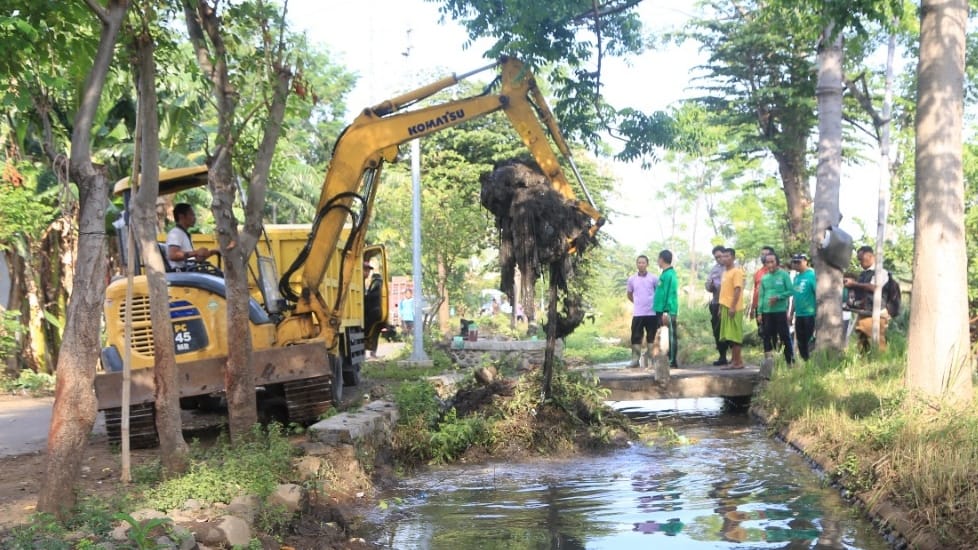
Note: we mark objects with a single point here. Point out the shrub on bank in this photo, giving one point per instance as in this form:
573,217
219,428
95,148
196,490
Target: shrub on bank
505,417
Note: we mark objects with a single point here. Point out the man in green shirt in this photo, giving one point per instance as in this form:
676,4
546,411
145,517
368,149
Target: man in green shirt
804,304
772,307
666,303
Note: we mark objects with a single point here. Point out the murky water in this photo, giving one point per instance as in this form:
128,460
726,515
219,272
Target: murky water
726,485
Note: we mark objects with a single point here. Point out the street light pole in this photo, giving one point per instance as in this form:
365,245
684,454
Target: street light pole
417,353
417,349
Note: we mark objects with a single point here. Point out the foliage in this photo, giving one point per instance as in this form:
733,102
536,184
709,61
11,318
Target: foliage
10,327
455,435
253,466
571,36
390,370
141,532
417,400
22,214
575,417
419,410
29,382
93,516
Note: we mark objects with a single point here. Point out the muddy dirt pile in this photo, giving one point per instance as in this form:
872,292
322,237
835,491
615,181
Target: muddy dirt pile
538,228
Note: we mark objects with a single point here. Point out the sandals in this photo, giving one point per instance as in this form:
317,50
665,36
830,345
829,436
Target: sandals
732,367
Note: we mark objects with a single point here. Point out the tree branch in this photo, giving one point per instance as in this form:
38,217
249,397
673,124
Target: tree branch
99,11
863,98
601,11
84,119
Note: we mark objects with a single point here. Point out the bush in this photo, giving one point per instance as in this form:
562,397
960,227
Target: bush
29,382
254,466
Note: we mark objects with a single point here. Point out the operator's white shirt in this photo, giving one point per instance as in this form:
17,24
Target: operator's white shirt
178,237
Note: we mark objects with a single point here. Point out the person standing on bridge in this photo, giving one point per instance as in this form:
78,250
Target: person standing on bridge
713,287
641,293
666,303
732,308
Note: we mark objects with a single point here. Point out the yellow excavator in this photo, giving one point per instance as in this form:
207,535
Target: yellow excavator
308,331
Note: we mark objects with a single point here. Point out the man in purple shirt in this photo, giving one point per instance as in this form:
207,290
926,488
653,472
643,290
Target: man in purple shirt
641,293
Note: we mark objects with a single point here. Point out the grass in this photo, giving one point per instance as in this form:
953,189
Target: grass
32,383
218,474
881,442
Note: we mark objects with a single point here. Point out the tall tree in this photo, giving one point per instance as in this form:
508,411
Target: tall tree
74,404
939,358
760,82
828,284
173,448
207,29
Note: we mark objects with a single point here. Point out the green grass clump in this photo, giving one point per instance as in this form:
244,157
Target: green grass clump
218,474
91,519
29,382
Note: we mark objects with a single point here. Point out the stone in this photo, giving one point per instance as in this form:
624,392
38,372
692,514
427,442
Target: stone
309,467
146,513
183,537
245,507
288,496
165,543
120,532
370,424
486,375
236,531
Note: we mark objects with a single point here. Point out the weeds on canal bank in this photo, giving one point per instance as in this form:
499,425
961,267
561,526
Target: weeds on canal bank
511,418
882,444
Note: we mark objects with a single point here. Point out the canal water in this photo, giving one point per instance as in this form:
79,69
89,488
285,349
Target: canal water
719,482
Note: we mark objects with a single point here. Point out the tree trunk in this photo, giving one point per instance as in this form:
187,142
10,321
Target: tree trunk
444,321
74,401
204,29
828,284
173,449
794,183
239,377
938,356
35,348
885,180
15,302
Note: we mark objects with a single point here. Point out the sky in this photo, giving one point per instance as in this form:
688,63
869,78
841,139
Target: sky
387,43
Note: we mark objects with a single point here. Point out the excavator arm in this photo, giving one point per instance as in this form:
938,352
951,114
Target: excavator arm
354,172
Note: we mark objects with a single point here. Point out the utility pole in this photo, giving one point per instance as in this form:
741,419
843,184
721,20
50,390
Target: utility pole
417,351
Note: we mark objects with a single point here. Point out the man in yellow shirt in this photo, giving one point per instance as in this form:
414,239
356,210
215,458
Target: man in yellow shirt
732,308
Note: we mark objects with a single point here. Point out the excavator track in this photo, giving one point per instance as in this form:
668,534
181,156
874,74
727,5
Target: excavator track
142,426
308,399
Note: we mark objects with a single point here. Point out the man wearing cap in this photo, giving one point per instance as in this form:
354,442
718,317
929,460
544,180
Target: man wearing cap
803,307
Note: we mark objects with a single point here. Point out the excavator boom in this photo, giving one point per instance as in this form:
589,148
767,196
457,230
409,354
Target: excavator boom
373,138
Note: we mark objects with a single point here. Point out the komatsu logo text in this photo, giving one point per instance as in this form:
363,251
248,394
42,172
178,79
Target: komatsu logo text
449,116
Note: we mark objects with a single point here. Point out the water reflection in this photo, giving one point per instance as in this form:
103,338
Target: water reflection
729,487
